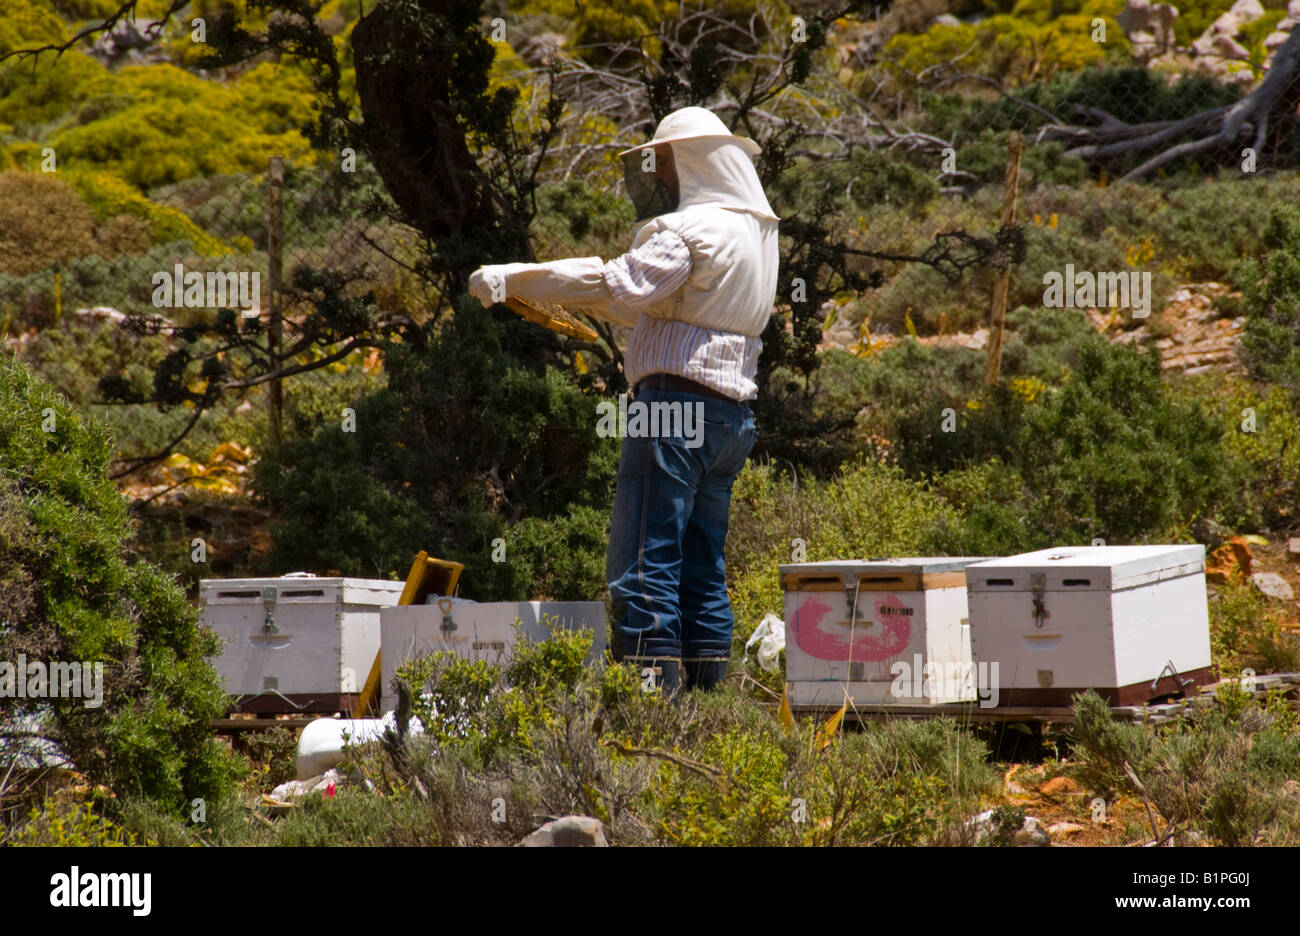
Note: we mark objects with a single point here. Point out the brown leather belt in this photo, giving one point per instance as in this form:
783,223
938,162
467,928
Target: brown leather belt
677,384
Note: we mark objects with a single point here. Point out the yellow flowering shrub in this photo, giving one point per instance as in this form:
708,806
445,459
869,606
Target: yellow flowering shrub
155,125
1013,49
108,197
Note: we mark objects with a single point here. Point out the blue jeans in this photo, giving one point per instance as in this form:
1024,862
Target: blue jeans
665,565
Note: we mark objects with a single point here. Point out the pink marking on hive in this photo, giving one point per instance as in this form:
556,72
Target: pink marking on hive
834,644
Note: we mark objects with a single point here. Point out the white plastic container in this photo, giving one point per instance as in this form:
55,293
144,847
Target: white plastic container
475,630
297,643
906,643
1130,622
322,742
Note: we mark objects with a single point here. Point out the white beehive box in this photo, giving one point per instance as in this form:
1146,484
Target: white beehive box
1118,619
476,631
910,614
309,640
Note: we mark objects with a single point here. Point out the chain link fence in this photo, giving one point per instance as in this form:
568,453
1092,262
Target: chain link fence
132,278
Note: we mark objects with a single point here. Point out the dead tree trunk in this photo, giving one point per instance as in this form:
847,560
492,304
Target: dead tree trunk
1259,120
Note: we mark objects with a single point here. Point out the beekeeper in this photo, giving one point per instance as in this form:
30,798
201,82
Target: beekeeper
696,289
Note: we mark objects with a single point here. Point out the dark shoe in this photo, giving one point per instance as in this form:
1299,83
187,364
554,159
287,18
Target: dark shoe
705,673
658,674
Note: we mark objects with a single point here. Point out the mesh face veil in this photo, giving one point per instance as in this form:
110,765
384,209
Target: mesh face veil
649,195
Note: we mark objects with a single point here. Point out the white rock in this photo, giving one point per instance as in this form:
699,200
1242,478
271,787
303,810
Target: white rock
102,312
569,832
1273,585
1062,829
987,829
1219,45
1241,13
1149,26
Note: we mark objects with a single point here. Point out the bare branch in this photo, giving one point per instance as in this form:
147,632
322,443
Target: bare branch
125,11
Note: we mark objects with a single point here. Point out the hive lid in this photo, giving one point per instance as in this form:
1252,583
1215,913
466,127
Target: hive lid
299,588
1088,567
911,573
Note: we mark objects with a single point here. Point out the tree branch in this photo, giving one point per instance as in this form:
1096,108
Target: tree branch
126,10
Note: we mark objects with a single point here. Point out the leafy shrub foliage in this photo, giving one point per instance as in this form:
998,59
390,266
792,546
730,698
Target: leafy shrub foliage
1271,286
464,446
1226,771
712,769
1010,48
69,595
42,222
61,824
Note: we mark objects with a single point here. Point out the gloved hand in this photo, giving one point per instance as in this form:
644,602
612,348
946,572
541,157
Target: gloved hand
488,284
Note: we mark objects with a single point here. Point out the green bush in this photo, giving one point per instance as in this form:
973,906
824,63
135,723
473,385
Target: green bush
559,558
31,97
60,824
865,180
1131,94
1197,238
69,595
1079,439
1225,770
1011,48
1109,453
750,806
993,519
357,817
894,783
708,769
462,447
152,125
76,353
575,219
1044,164
1112,453
490,709
870,509
1246,632
1271,286
1265,445
42,222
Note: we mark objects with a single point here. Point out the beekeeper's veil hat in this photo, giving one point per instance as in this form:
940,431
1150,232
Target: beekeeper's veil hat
715,168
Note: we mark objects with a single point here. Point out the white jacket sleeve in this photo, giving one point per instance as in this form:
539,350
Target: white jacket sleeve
618,291
650,273
576,282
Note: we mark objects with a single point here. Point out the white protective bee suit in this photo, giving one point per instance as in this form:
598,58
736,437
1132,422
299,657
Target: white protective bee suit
705,328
